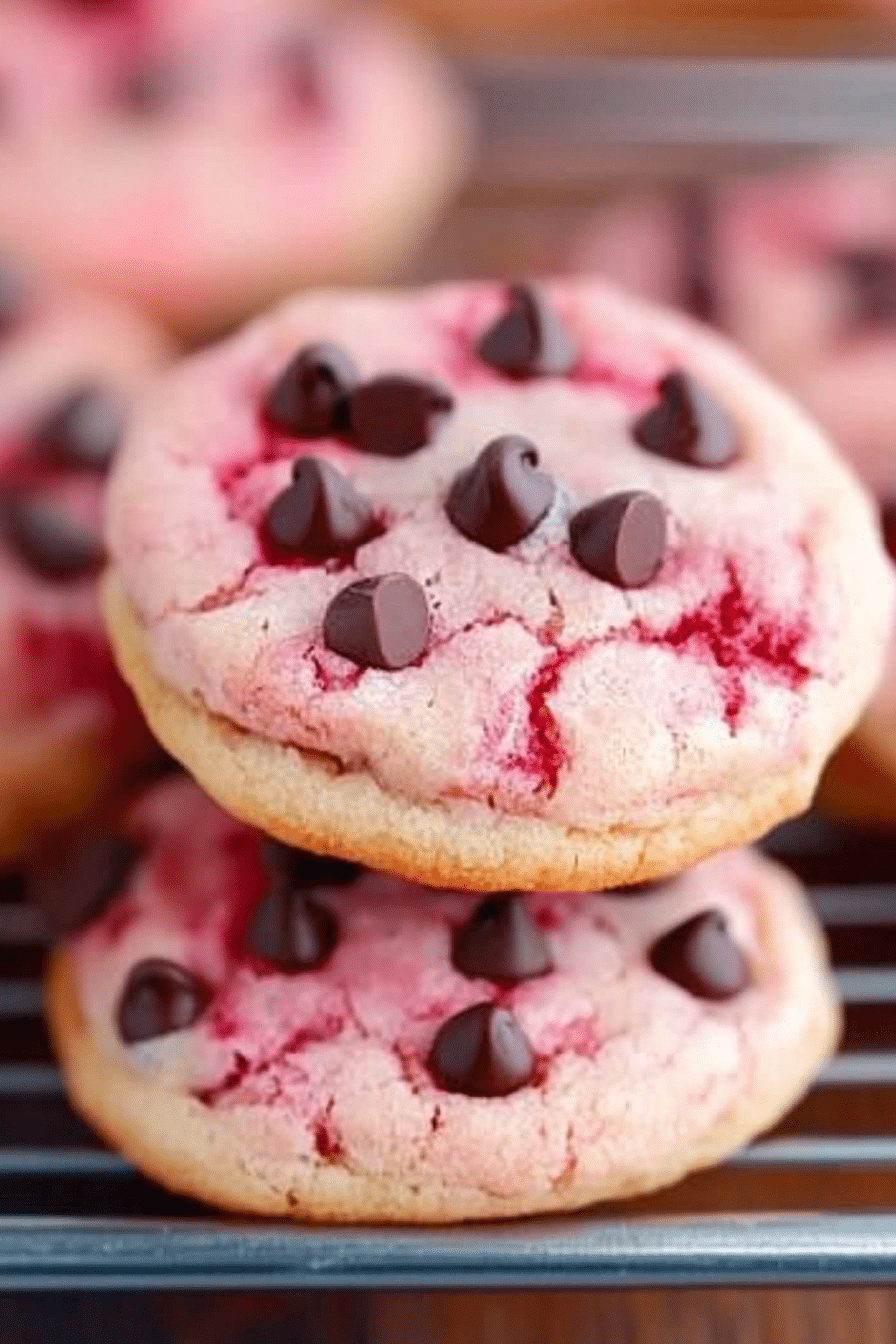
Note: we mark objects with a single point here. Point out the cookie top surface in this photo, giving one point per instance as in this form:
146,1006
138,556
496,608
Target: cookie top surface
608,668
429,1037
70,368
203,157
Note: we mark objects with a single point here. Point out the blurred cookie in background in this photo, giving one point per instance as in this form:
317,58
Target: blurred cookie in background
70,367
202,156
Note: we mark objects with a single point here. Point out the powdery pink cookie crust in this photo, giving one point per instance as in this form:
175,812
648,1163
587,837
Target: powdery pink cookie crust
777,255
309,1094
67,721
543,693
239,167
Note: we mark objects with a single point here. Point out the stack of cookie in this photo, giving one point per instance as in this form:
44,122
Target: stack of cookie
531,601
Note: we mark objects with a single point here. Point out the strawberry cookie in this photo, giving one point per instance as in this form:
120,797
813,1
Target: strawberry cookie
536,587
529,587
70,367
203,156
282,1034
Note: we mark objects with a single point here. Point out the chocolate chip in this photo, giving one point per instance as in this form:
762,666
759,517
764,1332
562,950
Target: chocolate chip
502,497
158,998
527,339
381,622
14,297
83,429
501,942
395,414
870,276
291,868
687,425
319,515
151,87
49,543
292,931
701,956
310,398
77,884
620,539
482,1052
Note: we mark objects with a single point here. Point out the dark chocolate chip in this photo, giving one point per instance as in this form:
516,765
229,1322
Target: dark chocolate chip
503,496
528,339
160,997
701,956
78,884
381,622
319,515
501,942
482,1052
697,288
292,931
14,297
310,398
291,868
151,87
46,540
396,414
620,539
888,527
83,429
687,425
870,277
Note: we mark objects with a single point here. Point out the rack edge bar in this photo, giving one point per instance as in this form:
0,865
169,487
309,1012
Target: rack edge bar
797,1249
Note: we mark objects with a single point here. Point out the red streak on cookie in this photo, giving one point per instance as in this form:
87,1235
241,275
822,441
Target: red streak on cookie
544,755
734,631
231,1080
325,679
328,1144
243,1069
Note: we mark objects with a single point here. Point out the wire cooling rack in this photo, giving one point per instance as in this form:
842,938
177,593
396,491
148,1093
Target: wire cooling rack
814,1202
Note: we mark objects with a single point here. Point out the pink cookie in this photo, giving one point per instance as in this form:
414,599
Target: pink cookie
282,1034
203,156
452,663
70,367
800,269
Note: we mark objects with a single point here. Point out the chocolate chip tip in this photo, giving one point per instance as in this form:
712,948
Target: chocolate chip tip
380,622
482,1052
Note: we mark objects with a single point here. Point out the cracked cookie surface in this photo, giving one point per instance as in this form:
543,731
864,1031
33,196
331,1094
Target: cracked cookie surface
557,727
250,1062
